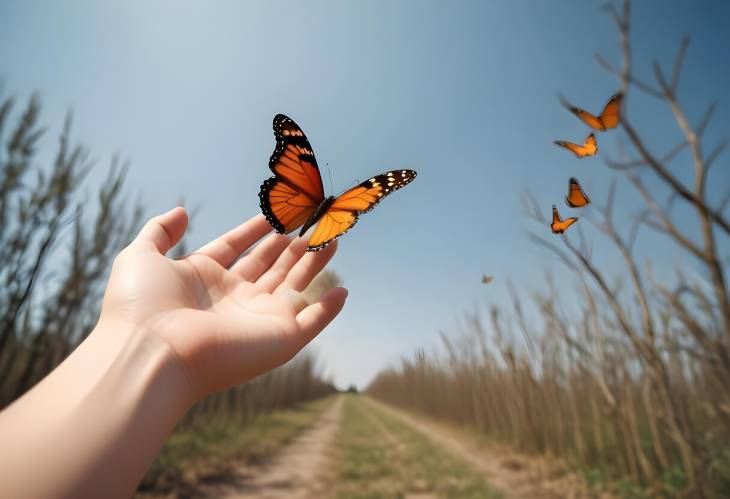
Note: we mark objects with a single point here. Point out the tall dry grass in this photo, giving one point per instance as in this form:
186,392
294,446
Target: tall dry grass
634,386
54,255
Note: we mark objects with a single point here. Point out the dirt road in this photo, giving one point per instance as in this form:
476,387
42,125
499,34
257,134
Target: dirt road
373,450
296,471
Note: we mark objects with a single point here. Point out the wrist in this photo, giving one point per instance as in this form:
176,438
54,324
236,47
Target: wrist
138,360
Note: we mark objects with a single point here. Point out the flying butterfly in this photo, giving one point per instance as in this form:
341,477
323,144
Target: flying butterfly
589,147
294,196
487,279
609,117
576,198
559,226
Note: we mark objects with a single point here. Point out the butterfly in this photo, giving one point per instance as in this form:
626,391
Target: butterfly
294,196
608,118
589,147
576,198
559,226
486,279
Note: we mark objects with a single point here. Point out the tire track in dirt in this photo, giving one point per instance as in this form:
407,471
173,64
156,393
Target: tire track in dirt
296,471
517,477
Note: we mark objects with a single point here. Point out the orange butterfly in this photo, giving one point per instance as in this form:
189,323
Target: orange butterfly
576,198
609,117
589,147
559,226
486,279
294,196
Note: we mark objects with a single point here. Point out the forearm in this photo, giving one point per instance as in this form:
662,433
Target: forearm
94,425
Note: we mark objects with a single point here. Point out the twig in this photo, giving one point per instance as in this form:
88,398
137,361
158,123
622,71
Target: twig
678,63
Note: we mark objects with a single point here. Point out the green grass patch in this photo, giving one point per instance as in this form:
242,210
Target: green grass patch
210,449
382,457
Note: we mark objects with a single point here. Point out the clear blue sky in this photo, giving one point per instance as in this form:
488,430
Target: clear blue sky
462,92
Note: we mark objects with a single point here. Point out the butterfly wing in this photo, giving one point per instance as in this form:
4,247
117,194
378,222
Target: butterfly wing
332,225
343,213
292,195
559,226
587,118
574,148
576,197
285,207
611,114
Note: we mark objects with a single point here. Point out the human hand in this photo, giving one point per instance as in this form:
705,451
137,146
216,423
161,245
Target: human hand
225,322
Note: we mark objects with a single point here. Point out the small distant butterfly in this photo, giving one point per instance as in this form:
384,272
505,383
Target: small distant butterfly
576,198
589,147
609,117
294,196
486,279
559,226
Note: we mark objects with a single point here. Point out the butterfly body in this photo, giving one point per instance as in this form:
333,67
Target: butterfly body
317,215
294,196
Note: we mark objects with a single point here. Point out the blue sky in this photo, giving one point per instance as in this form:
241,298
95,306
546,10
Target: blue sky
462,92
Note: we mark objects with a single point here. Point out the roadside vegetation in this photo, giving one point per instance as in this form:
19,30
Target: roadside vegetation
205,452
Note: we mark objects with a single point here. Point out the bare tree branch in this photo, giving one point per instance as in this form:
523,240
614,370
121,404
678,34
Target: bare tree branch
706,118
676,71
626,165
719,148
648,89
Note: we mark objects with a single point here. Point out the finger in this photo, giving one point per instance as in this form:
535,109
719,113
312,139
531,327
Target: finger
230,245
163,231
268,282
307,268
315,317
253,265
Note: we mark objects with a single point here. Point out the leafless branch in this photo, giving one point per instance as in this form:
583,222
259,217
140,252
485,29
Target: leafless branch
645,87
706,118
719,148
676,71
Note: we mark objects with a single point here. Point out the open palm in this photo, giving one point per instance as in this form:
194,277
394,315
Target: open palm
226,319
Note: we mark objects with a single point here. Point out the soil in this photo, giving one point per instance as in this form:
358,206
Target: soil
296,471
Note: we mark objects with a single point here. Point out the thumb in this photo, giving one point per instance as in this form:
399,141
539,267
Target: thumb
163,231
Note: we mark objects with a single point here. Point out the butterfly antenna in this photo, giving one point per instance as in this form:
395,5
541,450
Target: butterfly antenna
329,172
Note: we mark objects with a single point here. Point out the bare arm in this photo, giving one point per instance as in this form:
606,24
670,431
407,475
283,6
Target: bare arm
170,332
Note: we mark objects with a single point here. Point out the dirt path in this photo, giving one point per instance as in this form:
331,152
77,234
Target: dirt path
517,477
303,469
296,471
